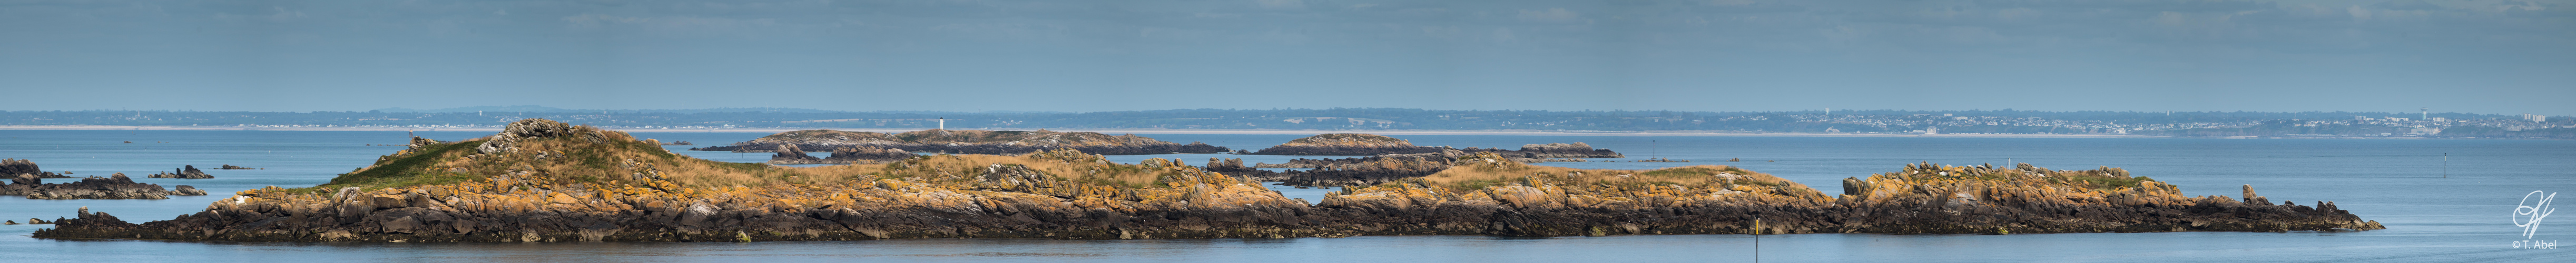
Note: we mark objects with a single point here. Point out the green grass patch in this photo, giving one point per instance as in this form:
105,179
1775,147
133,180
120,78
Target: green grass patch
405,170
1684,172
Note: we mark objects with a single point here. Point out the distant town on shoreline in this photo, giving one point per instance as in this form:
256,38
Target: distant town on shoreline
1861,122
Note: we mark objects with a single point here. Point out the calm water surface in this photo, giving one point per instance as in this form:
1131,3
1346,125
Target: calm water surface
2463,218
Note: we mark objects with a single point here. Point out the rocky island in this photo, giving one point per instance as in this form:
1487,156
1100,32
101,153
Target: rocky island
543,181
186,172
791,154
968,142
1345,172
1372,144
115,186
1399,159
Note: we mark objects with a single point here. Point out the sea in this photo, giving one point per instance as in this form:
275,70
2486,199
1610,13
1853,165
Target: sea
2442,201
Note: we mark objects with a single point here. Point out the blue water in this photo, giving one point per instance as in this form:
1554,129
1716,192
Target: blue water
2465,217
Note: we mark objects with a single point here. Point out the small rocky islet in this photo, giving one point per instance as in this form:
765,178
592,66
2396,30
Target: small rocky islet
1372,144
1389,159
792,154
184,172
28,179
115,186
14,167
544,181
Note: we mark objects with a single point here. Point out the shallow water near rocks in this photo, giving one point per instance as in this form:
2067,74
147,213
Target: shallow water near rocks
2466,217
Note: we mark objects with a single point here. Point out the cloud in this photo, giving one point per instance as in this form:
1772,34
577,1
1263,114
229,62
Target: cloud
2358,13
588,20
1022,31
282,14
1549,15
1282,4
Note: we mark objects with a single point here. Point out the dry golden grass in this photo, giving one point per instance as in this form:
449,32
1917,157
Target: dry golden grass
1488,178
1476,172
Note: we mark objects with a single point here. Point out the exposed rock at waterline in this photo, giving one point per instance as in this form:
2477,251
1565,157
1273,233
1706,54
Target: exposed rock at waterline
789,154
187,172
14,167
116,186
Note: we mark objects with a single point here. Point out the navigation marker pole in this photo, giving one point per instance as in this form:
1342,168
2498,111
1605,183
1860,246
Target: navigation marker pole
1757,239
2446,165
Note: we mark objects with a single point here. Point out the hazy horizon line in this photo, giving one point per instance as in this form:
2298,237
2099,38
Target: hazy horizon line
537,108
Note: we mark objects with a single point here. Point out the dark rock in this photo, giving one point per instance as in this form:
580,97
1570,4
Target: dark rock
1362,171
1563,150
14,167
187,172
789,154
864,154
231,167
115,187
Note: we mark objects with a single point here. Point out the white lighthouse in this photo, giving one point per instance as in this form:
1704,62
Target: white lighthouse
943,123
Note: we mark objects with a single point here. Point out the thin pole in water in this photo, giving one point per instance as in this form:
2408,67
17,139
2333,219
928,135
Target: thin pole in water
1757,239
2446,165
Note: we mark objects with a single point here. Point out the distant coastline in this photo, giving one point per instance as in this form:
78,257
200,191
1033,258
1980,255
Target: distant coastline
1215,131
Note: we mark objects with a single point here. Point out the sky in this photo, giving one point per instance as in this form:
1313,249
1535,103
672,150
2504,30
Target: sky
2500,57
